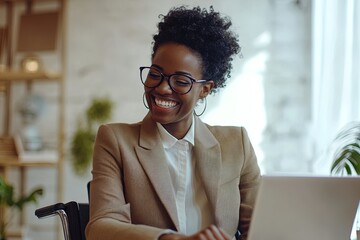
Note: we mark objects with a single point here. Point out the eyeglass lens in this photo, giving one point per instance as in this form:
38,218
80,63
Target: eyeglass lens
152,78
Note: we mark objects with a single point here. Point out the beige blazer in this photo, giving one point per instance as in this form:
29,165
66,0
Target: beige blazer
131,191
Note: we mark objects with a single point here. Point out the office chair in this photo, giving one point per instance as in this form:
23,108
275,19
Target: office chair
74,217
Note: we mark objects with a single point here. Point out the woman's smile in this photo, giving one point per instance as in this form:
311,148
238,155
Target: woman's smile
163,103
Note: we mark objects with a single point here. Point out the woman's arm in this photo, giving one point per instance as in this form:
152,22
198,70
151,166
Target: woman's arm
248,187
110,216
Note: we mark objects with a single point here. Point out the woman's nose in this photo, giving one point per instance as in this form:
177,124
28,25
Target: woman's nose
164,86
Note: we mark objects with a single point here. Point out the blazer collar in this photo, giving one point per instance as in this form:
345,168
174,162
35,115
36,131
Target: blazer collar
152,157
208,163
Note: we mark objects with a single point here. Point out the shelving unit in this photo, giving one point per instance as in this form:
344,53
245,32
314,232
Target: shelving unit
11,157
23,76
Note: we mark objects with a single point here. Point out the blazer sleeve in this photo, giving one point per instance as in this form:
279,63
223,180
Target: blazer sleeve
249,182
110,217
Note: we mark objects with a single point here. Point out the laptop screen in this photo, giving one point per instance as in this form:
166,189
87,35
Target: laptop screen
305,207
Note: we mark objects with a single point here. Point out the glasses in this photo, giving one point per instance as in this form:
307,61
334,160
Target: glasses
179,83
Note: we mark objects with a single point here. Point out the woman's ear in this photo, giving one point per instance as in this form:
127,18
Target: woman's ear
206,88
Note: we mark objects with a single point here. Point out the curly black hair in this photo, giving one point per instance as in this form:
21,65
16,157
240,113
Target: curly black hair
205,32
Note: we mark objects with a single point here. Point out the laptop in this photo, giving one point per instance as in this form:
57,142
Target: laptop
305,207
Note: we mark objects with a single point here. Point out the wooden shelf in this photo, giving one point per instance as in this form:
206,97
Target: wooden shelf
14,234
11,162
24,76
23,1
13,158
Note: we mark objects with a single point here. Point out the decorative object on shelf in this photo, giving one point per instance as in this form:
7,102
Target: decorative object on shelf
30,64
83,139
9,201
46,155
30,108
38,31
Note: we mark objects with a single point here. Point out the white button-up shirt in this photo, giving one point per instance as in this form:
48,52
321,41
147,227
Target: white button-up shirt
192,205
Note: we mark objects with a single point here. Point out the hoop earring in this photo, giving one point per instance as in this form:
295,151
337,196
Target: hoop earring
204,100
144,102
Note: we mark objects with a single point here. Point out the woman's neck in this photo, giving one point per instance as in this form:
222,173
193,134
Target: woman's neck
178,130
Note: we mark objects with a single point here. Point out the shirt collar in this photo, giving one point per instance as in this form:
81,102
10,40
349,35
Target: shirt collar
169,140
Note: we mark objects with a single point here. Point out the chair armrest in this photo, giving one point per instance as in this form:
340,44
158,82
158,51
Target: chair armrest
74,217
50,210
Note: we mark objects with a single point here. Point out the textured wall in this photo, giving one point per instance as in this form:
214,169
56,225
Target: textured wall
287,89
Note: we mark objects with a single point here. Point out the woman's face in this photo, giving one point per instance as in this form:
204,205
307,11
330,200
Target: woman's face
172,110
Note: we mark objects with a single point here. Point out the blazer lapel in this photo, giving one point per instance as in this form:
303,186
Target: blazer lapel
208,163
152,157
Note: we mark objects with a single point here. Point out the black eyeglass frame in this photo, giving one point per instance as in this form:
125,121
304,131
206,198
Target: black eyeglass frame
163,76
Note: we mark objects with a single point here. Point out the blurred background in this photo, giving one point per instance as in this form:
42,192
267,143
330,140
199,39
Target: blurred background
293,87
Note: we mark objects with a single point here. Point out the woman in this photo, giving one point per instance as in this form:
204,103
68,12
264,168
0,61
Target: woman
171,176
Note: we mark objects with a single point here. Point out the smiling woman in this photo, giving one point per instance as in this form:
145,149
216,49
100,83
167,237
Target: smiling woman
175,111
199,181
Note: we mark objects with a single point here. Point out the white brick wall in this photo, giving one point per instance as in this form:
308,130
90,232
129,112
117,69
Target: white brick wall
287,89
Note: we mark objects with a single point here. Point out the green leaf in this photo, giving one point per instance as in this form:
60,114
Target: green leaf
347,152
100,110
6,193
7,196
82,149
32,197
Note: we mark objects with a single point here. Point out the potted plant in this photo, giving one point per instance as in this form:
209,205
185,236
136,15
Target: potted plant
346,155
347,150
99,111
9,201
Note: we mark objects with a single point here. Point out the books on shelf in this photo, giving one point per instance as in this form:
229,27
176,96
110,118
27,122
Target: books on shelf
47,155
43,155
8,148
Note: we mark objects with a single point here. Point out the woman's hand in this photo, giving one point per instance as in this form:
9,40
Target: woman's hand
210,233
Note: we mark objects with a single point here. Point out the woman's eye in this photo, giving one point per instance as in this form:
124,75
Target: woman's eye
154,75
179,82
182,81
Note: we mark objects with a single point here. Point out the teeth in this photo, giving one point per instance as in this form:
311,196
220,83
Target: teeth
164,104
